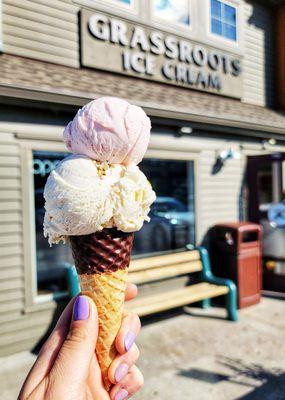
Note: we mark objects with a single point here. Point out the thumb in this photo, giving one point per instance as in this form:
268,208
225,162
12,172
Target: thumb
74,358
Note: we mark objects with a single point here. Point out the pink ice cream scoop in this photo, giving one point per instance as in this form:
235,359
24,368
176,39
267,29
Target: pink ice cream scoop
109,129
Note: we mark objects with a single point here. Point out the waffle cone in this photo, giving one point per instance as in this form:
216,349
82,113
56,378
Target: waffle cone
108,292
102,261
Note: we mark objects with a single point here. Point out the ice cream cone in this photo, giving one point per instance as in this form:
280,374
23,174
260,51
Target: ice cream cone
102,261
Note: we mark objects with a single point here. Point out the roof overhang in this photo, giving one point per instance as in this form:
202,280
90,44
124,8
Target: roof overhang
169,116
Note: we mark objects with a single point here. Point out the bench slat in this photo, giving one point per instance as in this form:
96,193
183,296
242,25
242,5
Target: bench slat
175,298
167,259
155,274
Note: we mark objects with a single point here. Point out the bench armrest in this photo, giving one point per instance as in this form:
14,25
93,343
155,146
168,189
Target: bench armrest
207,276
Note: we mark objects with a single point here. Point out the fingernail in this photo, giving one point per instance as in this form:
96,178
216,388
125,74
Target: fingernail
129,340
121,372
121,395
81,308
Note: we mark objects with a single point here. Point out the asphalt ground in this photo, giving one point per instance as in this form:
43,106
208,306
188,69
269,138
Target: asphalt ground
195,354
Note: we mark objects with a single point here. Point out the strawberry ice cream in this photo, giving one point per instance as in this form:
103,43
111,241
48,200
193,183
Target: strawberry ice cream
109,129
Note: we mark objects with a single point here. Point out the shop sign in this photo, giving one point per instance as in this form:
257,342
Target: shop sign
113,44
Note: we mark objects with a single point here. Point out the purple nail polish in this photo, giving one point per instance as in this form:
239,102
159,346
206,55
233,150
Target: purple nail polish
121,395
121,372
129,340
81,308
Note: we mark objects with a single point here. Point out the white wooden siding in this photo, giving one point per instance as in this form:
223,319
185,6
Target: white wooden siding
47,32
258,65
218,194
11,235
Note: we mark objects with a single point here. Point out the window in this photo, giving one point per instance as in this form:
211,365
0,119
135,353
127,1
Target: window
172,224
223,20
128,2
124,3
175,11
50,260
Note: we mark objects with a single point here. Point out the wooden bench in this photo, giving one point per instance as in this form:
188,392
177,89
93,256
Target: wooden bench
165,267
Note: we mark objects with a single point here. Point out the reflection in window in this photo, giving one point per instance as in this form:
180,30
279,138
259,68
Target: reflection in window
264,187
50,260
172,224
223,20
176,11
128,2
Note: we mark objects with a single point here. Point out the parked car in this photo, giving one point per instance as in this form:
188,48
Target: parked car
168,229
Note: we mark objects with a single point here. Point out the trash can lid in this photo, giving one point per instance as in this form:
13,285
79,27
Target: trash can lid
242,226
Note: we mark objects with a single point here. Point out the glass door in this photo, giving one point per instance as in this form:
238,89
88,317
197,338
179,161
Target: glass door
266,197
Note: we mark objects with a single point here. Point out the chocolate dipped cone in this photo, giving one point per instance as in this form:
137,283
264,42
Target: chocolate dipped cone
102,261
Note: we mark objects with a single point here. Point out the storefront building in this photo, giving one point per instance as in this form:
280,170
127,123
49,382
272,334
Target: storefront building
203,70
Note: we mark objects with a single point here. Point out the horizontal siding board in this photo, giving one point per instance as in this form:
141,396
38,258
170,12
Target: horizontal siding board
10,273
6,350
7,306
11,250
10,261
33,26
59,5
11,284
11,149
11,316
29,321
11,295
10,228
9,172
36,45
10,205
10,238
10,217
47,31
258,65
28,34
10,9
7,184
47,10
42,56
10,194
9,160
12,338
218,194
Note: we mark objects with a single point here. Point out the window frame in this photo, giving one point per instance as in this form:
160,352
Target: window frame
134,12
1,30
167,25
223,40
33,300
159,149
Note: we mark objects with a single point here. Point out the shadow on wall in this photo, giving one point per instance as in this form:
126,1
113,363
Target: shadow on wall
242,202
266,384
60,306
259,15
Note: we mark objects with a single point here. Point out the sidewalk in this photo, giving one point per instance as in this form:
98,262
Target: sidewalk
198,355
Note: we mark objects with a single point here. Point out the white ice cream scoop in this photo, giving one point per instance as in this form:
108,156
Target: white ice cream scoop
83,196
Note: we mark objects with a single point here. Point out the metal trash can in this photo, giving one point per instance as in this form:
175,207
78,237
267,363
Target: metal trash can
235,251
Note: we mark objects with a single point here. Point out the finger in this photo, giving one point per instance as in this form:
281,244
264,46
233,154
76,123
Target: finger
132,383
131,291
48,352
74,358
128,332
95,381
122,363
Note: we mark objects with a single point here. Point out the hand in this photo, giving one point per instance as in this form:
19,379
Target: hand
67,366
